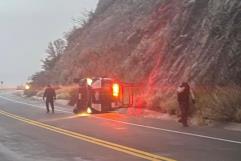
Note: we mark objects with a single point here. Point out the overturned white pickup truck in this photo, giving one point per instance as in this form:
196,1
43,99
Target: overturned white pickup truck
102,95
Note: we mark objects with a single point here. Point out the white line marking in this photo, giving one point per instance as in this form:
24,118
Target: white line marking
36,106
133,124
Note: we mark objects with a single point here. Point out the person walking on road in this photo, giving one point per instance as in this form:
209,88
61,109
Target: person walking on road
183,96
49,97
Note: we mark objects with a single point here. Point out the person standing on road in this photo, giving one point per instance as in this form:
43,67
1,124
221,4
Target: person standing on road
83,100
49,97
183,96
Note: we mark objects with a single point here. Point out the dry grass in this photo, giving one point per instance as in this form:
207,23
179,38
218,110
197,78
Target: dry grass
65,92
62,92
220,103
212,103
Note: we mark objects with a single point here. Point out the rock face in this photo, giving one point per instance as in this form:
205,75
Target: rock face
103,46
162,43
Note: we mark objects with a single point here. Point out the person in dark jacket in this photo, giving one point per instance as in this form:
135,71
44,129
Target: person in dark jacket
49,97
183,96
83,100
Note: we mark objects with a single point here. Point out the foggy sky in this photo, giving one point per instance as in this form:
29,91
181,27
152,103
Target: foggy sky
26,28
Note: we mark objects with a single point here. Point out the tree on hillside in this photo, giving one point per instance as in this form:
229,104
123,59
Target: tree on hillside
54,51
79,23
40,78
84,19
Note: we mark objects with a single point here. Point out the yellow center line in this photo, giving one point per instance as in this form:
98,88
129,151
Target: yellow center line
113,146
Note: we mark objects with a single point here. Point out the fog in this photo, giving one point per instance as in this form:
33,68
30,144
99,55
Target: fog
26,28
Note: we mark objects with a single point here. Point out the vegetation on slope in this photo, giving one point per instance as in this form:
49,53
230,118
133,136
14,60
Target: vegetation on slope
159,43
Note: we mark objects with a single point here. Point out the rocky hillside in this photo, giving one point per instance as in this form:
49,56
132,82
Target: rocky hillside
161,43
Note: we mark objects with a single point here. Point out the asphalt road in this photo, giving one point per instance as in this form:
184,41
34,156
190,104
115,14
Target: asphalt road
27,133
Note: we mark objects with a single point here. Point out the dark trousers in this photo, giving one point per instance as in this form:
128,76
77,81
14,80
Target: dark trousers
51,103
184,108
82,105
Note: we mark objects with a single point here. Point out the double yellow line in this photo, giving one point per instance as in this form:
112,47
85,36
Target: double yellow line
117,147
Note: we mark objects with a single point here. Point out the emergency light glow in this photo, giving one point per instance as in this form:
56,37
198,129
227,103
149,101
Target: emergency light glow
89,111
27,87
116,89
89,81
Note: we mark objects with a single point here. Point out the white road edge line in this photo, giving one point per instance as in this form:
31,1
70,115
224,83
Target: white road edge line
32,105
133,124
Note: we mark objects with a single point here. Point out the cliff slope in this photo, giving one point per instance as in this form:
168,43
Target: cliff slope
162,43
